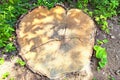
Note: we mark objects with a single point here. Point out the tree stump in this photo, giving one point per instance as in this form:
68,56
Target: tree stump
56,42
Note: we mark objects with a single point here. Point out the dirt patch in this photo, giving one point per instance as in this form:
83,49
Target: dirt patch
113,49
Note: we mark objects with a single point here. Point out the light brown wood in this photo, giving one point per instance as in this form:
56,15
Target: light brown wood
56,42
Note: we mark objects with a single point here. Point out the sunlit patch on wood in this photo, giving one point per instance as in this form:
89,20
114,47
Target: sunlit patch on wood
56,42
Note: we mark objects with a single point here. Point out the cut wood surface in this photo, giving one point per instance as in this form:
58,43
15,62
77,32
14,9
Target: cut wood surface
57,41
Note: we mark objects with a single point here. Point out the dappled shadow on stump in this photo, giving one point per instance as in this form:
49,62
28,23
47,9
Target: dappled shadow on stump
56,42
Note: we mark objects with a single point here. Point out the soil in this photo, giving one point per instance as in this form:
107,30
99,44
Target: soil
112,69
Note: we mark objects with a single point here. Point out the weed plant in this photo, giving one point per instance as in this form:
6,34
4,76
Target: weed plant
20,62
10,10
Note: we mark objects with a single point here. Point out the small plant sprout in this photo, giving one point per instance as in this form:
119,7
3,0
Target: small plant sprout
111,78
94,78
5,75
21,62
2,61
101,53
9,47
101,20
100,42
12,78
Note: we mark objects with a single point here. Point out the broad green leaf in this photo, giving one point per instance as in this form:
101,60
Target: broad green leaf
102,17
97,19
101,64
2,44
100,52
104,60
9,47
105,41
11,1
96,47
99,42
